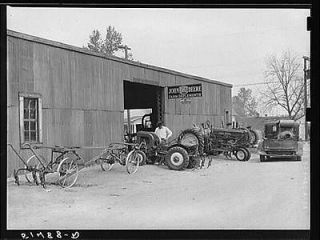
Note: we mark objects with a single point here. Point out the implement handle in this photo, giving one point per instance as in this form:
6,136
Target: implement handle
15,151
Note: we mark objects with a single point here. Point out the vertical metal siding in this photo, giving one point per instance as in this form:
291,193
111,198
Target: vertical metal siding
82,95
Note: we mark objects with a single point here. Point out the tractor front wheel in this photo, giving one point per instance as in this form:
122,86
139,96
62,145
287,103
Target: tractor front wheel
247,152
241,154
177,158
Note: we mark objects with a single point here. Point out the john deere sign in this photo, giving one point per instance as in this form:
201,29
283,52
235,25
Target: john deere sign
185,91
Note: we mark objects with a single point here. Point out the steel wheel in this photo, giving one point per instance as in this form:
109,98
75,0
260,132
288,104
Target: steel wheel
132,161
241,154
34,163
142,157
107,163
68,172
105,166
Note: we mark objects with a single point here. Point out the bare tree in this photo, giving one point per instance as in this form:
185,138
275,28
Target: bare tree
284,84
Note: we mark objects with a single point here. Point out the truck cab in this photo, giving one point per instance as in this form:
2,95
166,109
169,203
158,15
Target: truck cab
281,140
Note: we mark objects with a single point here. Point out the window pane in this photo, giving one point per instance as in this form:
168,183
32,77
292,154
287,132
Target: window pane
33,126
26,126
32,114
26,102
33,136
32,103
26,136
30,123
26,113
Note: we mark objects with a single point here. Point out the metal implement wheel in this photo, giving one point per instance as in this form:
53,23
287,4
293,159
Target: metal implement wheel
177,158
241,154
142,157
33,162
132,161
107,164
68,172
262,158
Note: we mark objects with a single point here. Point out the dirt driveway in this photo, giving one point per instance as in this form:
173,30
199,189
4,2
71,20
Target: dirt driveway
228,195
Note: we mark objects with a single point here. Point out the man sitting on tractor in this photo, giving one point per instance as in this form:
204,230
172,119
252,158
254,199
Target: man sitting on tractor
163,132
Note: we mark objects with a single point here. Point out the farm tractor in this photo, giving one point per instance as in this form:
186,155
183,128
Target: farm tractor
214,141
175,155
191,146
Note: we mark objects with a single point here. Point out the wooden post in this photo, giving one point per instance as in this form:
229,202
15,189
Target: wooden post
305,59
126,48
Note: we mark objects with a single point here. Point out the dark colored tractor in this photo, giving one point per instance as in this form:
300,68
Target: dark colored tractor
215,141
281,140
175,155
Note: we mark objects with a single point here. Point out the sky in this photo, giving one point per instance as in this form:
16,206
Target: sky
228,45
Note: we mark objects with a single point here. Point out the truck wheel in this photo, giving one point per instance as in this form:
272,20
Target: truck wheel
191,137
177,158
241,154
262,158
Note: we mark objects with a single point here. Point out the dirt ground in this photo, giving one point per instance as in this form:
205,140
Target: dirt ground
228,195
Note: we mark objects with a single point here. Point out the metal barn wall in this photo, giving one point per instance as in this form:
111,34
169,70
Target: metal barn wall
82,94
82,101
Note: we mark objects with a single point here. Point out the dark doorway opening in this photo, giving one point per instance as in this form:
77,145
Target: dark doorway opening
145,96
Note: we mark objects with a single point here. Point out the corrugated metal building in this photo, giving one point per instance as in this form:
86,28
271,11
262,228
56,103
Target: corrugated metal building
58,94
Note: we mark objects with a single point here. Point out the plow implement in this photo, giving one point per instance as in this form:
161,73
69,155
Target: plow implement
67,163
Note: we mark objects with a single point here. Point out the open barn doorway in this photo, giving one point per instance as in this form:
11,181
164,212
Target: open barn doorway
146,100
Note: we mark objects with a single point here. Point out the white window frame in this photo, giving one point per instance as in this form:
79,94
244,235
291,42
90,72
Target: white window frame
22,96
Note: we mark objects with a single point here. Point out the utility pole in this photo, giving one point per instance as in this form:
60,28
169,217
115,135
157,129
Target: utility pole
126,48
305,77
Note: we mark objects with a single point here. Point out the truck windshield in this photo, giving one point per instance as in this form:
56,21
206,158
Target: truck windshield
290,129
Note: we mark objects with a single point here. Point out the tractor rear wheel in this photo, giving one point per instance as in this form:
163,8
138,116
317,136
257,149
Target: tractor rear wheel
177,158
191,137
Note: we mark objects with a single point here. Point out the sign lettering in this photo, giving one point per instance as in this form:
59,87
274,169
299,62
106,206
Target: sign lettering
185,91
